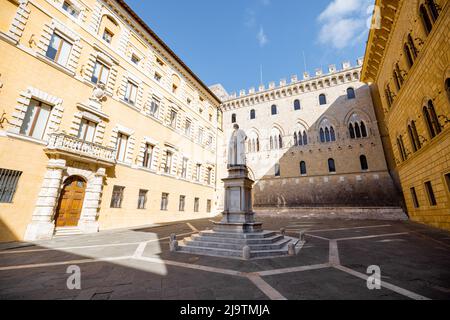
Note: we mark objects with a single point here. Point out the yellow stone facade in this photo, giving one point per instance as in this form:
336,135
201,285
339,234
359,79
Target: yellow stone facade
407,63
94,65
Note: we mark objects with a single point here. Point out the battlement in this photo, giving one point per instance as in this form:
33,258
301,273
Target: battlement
319,73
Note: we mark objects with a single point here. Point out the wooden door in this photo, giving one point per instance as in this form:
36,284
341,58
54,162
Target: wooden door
70,203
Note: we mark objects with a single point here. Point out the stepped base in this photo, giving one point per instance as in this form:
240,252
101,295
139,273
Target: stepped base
67,231
260,244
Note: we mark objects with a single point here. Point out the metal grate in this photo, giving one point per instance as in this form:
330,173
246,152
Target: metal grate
8,184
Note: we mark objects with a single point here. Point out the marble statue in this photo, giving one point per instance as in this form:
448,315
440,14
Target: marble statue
236,148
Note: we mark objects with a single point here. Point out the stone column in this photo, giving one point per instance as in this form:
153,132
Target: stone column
88,221
42,225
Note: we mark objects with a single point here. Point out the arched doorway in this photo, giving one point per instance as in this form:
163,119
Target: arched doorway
70,202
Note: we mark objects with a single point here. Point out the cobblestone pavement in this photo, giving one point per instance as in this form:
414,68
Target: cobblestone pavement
137,264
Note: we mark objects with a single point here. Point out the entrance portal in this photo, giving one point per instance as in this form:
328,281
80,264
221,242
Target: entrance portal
70,202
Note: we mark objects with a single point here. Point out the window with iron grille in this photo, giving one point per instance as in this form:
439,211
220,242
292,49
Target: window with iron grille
142,199
8,184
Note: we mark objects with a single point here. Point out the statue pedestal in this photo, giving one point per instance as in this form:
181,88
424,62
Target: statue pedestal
238,235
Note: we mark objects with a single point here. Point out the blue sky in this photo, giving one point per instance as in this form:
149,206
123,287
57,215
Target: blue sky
227,41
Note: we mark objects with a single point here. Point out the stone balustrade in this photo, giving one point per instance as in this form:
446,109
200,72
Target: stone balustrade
66,143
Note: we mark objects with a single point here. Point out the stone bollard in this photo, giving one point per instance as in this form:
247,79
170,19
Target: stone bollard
173,246
246,253
302,236
173,243
283,231
291,249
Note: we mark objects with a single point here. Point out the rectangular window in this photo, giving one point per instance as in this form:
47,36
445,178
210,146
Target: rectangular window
198,172
164,201
208,206
148,155
168,164
157,77
154,108
187,128
200,136
196,205
8,184
131,93
174,89
108,36
74,12
430,193
117,197
208,180
173,119
121,147
184,168
100,74
59,50
36,119
414,197
142,199
182,203
87,130
135,59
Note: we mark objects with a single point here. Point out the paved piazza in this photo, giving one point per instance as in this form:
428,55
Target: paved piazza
137,264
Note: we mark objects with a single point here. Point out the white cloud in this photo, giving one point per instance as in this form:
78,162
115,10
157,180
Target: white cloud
262,37
343,23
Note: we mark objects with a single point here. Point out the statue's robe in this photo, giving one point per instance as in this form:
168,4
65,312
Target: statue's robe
236,149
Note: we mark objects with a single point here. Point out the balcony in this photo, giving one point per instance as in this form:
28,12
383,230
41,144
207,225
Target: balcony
72,147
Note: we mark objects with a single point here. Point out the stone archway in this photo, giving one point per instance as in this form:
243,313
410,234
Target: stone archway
70,205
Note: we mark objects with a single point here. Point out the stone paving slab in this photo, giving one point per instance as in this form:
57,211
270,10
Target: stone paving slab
416,265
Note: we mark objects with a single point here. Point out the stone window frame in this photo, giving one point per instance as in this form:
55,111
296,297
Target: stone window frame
107,60
56,27
123,89
155,155
23,102
19,21
130,145
100,129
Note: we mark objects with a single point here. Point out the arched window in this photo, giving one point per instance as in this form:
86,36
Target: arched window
401,148
295,139
433,9
408,55
322,99
414,136
322,135
357,131
426,21
297,105
396,80
257,144
233,118
252,114
303,168
305,138
331,165
351,93
274,110
431,120
280,141
352,131
363,130
332,134
364,164
300,138
327,135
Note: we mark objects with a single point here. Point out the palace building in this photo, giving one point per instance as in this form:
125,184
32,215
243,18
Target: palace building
314,145
407,65
102,125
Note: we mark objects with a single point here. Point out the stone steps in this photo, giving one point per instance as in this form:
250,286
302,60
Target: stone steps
217,252
236,235
67,231
240,241
224,244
